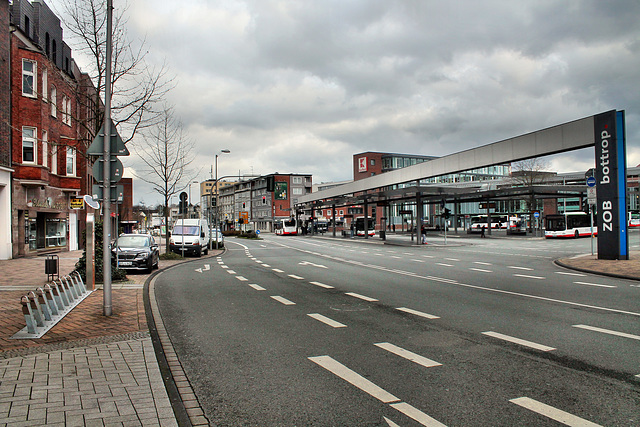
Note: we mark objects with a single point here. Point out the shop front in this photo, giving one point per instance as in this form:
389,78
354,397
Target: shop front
42,220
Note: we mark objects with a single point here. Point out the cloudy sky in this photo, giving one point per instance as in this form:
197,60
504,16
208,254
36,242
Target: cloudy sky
301,86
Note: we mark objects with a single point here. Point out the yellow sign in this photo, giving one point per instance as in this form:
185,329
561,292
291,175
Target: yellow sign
76,203
244,215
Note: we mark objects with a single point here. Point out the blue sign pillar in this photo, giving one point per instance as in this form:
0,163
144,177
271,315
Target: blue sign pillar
611,178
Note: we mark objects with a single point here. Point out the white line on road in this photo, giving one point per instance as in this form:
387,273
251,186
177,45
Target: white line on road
427,256
277,270
266,265
417,313
595,284
396,257
398,351
520,268
390,423
570,274
551,412
242,278
207,267
443,264
529,277
481,270
417,415
354,378
452,259
353,294
326,320
417,260
312,264
608,331
231,272
257,287
482,263
519,341
293,276
282,300
322,285
224,266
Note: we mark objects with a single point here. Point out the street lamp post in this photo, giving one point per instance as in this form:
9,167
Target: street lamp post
216,188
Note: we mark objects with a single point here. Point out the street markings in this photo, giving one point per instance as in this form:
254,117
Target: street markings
519,341
312,264
608,331
257,287
390,423
277,270
266,265
595,284
443,264
282,300
293,276
482,263
242,278
520,268
207,267
529,277
362,297
417,415
224,266
326,320
406,354
322,285
551,412
570,274
417,313
452,259
354,378
481,270
231,272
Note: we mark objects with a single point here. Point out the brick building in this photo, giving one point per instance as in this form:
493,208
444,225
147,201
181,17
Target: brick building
5,132
48,146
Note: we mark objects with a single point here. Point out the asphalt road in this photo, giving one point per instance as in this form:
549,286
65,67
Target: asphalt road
311,331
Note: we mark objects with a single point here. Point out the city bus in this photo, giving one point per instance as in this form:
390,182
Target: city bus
571,224
480,221
371,226
634,219
285,227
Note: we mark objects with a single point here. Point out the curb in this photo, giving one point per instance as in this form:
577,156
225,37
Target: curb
600,273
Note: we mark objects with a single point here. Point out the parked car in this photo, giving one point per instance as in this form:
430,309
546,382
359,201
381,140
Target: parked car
216,235
136,252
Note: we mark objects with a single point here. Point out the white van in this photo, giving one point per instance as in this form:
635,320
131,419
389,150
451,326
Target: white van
190,236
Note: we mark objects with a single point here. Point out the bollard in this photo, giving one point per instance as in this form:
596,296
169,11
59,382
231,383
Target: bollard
80,289
42,302
53,306
35,309
83,287
58,295
28,317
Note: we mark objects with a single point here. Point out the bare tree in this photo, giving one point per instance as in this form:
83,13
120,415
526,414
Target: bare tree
167,153
135,86
529,173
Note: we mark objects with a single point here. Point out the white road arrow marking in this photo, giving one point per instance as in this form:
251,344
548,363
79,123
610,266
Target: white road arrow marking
207,267
312,264
199,270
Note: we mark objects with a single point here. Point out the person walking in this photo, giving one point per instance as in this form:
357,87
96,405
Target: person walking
482,231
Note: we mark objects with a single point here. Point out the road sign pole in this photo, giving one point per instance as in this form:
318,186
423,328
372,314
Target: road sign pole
106,194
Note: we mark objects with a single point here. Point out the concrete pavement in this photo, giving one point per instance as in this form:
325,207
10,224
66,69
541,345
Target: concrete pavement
94,370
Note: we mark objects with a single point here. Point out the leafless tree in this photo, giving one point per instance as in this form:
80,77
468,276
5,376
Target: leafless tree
529,173
167,154
136,87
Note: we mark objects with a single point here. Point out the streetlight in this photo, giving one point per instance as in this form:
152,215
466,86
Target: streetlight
191,182
216,190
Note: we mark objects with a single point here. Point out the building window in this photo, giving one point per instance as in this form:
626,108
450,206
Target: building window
54,100
29,69
296,191
66,110
47,44
54,52
28,145
45,148
341,212
45,83
71,161
54,160
373,162
296,179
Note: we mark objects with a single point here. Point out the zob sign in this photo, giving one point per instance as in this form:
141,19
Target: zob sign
611,177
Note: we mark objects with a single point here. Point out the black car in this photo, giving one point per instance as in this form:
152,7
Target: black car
136,252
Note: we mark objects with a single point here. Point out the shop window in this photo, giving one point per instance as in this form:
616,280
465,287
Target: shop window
29,69
28,145
56,232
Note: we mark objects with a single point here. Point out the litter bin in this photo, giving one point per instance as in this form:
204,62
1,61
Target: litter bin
51,267
383,234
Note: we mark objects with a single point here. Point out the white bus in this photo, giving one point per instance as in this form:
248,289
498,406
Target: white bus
634,219
286,227
498,221
571,224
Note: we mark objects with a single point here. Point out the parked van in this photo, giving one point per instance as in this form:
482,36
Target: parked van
190,236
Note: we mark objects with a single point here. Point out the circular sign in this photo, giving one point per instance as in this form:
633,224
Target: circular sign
591,182
536,214
257,231
184,196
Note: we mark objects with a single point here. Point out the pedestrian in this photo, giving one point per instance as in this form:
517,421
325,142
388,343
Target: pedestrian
482,231
423,232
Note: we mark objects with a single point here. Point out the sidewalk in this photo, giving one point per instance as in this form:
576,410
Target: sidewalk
93,370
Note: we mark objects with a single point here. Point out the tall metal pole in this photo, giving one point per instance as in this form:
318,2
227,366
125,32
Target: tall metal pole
106,190
215,216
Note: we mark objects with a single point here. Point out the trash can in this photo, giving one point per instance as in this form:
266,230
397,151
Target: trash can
51,267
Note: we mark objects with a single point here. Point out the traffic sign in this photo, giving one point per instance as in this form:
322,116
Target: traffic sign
536,214
117,193
117,147
591,181
591,195
115,172
258,232
76,203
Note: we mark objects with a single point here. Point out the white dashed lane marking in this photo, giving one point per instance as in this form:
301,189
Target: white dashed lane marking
326,320
406,354
362,297
282,300
553,413
519,341
417,313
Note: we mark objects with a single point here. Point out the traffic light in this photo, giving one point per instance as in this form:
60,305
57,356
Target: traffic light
447,213
214,200
264,200
271,183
